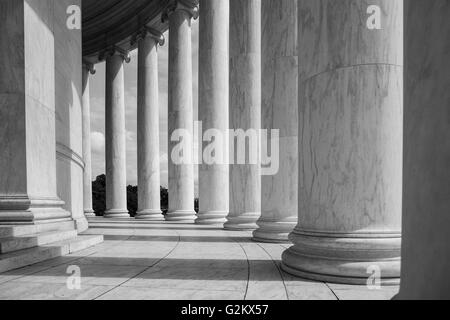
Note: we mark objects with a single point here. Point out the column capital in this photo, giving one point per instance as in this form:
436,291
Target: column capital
115,50
149,32
89,66
189,6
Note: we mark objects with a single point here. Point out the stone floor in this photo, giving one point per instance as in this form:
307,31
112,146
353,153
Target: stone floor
141,260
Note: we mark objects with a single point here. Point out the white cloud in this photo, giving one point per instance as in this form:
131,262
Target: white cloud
131,136
97,142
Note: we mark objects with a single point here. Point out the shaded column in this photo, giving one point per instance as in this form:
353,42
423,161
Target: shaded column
28,189
181,115
69,112
149,199
245,113
87,157
350,142
116,167
426,182
213,110
279,111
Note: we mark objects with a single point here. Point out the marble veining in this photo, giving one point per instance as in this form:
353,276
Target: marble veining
245,108
213,106
181,115
279,196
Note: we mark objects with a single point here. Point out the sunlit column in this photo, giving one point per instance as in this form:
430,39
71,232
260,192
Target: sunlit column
149,199
213,110
279,185
181,114
350,142
245,113
28,185
116,179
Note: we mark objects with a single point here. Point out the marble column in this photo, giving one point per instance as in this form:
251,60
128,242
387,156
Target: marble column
28,189
426,182
149,193
213,110
181,115
350,142
280,112
245,112
87,173
116,167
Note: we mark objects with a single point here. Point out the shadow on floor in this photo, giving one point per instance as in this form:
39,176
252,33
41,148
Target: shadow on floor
156,227
183,238
167,269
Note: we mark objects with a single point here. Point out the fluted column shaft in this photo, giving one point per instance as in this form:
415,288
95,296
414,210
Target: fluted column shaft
280,112
350,142
87,173
426,183
149,201
245,110
181,118
116,192
213,108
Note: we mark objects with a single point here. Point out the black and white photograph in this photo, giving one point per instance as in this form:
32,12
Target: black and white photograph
205,151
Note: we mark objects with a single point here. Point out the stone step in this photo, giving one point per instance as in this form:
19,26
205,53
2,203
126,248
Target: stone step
23,230
26,257
33,240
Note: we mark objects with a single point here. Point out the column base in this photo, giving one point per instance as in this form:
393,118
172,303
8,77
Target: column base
89,213
24,210
243,222
117,213
81,224
211,217
274,231
150,215
344,258
181,216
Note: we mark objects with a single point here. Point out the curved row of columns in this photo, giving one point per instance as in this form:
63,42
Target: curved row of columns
349,131
347,119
